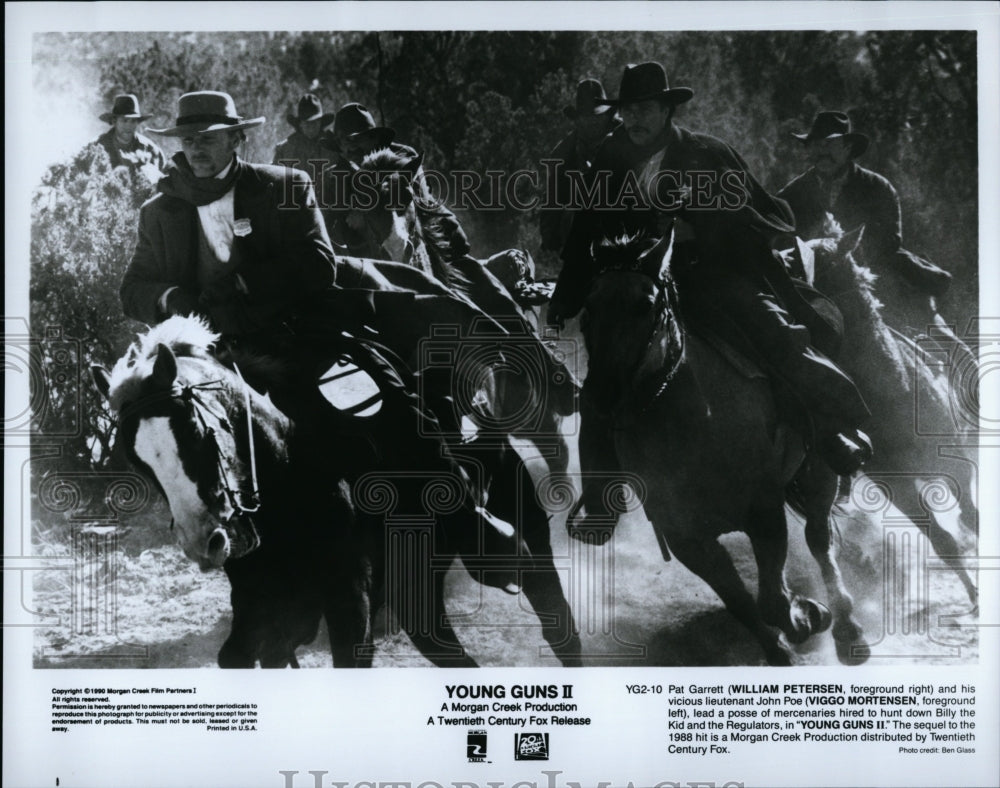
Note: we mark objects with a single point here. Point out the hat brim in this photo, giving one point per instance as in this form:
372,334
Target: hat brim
110,117
324,118
600,108
207,128
673,96
859,142
382,136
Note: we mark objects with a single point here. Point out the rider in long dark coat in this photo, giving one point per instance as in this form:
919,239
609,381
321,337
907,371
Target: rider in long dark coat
303,149
854,196
724,265
592,122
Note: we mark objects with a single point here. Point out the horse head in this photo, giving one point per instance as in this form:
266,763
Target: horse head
385,181
836,267
189,422
628,305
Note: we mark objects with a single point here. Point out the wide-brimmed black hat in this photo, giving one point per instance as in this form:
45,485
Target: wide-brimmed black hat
125,105
206,111
830,125
644,81
310,108
354,122
590,100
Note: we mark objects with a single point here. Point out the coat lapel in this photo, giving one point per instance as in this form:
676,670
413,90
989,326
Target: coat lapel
250,198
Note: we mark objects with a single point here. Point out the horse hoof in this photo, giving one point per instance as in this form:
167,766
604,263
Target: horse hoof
807,618
777,655
849,640
853,654
506,581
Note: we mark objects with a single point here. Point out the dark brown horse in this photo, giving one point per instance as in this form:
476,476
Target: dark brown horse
923,420
708,443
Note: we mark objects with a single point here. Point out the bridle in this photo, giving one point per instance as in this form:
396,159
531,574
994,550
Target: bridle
664,323
191,395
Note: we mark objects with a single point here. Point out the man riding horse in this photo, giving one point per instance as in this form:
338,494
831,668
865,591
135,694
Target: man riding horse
353,137
836,186
244,246
651,174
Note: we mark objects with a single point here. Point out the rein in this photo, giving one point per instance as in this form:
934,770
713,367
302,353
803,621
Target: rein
189,394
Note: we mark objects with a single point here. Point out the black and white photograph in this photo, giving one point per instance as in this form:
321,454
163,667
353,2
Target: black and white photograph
461,344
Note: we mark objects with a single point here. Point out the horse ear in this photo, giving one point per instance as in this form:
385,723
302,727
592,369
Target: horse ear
354,166
657,257
415,163
165,367
102,379
849,241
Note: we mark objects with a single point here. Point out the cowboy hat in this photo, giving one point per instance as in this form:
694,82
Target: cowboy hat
590,100
647,81
310,108
125,105
206,111
354,122
834,125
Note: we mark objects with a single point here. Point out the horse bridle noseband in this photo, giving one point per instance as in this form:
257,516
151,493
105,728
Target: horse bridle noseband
189,394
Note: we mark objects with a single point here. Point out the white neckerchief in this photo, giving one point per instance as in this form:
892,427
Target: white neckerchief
217,219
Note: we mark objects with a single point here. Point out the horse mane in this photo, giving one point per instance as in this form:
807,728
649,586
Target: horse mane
622,251
860,274
188,337
387,159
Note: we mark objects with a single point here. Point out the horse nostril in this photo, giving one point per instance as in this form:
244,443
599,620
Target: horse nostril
218,543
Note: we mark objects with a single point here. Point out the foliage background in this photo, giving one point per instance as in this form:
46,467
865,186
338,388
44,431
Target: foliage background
478,101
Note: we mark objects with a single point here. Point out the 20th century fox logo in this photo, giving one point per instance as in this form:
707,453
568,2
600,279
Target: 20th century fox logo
531,746
475,746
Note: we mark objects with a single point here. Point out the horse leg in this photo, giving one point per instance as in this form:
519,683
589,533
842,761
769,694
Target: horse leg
513,493
709,560
818,487
908,500
438,641
797,616
348,613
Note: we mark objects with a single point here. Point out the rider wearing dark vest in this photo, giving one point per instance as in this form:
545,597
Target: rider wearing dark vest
653,173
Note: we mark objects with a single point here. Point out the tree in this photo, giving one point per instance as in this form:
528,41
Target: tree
84,218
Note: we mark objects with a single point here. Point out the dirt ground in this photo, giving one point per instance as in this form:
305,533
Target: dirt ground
151,607
157,610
